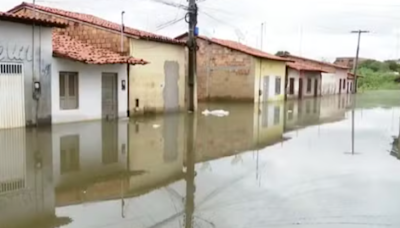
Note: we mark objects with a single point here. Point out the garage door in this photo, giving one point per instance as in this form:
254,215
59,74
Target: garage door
12,104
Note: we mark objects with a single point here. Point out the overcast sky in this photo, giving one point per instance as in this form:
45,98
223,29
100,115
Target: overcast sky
311,28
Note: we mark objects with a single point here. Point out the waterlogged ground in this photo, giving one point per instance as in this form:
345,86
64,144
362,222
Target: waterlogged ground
271,165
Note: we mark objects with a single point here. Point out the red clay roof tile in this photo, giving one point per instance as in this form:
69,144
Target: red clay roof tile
31,20
294,57
66,47
239,47
304,67
90,19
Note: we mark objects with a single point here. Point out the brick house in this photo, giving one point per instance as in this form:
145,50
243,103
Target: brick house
156,87
334,77
227,70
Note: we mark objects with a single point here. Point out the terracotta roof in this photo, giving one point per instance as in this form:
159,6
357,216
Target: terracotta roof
31,20
351,75
294,57
90,19
66,47
304,67
239,47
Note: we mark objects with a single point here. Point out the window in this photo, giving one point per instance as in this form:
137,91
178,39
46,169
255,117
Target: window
69,97
344,83
309,85
291,86
10,68
277,115
277,85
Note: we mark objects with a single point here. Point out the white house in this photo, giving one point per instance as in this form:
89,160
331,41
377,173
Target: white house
334,78
303,80
21,68
88,83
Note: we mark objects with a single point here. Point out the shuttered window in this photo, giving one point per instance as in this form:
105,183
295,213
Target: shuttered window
69,87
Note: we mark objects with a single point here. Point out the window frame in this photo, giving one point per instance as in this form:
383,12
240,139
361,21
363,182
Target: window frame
278,89
68,101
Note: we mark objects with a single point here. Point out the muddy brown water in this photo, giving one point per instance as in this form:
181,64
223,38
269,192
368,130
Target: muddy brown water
270,165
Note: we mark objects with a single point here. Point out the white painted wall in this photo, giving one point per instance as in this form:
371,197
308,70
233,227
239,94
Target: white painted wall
314,79
90,150
16,47
89,77
295,75
330,82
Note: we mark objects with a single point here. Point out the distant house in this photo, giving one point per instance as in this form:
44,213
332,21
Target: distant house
156,87
228,70
25,64
348,61
303,80
334,77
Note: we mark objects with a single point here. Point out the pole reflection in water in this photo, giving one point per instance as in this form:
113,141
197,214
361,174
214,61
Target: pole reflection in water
190,171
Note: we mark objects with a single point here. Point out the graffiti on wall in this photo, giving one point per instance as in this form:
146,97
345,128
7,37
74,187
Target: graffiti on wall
16,52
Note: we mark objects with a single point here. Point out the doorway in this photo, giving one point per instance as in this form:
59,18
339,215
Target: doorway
109,96
340,86
316,87
300,88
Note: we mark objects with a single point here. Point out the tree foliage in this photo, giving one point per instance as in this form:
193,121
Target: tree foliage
378,75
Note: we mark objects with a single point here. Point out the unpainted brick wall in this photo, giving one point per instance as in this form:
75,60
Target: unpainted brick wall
96,36
223,73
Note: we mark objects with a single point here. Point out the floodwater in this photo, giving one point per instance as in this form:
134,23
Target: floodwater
330,162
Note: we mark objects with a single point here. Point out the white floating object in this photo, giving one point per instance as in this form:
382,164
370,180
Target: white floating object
290,111
156,126
219,113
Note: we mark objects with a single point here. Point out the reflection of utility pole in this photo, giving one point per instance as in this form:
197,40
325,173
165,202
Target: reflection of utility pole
190,170
355,66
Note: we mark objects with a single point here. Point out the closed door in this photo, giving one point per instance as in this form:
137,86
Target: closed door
109,96
316,88
171,89
300,88
12,96
265,88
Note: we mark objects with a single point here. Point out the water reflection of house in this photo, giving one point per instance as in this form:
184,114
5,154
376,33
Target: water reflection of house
157,147
89,159
246,128
26,188
308,112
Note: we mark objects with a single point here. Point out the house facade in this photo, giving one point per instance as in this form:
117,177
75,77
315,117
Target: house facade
156,87
303,81
333,77
88,83
227,70
25,70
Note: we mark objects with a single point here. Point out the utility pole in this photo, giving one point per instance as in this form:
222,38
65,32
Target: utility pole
122,32
355,66
354,89
192,46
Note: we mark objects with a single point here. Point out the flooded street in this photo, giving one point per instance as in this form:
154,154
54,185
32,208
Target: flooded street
268,165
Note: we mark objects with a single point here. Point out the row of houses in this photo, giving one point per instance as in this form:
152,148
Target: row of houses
59,66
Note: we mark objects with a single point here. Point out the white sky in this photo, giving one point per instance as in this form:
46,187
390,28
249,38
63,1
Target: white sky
312,28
